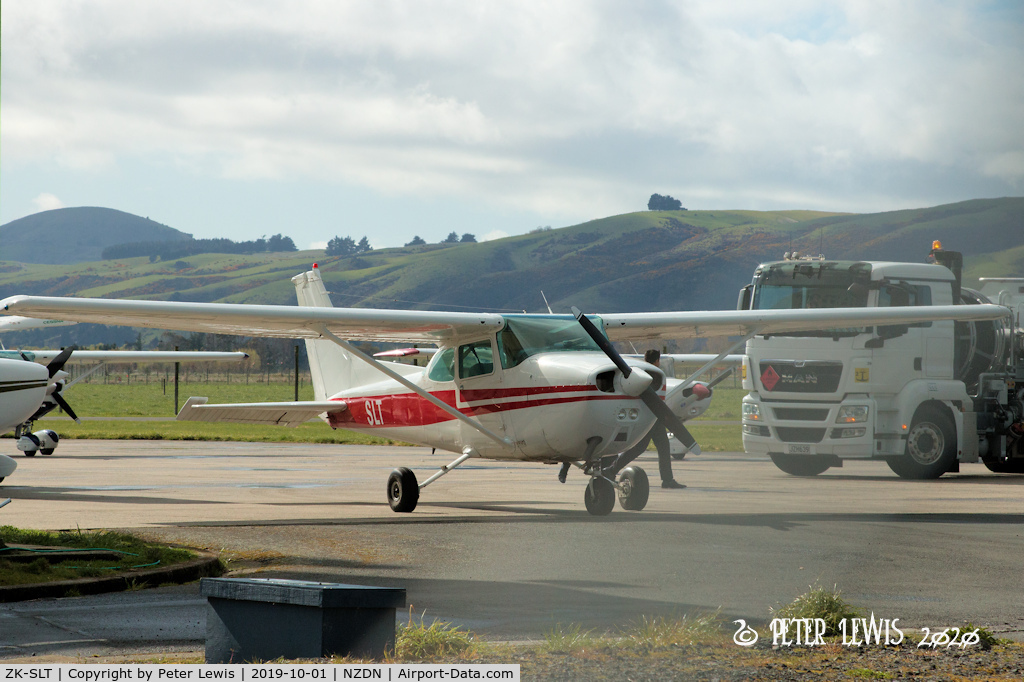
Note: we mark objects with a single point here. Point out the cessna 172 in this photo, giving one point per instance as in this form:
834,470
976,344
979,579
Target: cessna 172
536,388
29,390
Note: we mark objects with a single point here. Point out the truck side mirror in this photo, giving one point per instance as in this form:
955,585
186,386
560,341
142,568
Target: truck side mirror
743,302
886,332
892,331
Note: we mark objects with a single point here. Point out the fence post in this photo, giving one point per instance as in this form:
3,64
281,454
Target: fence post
177,366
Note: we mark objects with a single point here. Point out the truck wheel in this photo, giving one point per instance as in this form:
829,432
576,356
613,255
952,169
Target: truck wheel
1012,466
800,465
931,445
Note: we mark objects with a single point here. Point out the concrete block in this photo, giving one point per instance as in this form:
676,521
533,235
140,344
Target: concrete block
259,619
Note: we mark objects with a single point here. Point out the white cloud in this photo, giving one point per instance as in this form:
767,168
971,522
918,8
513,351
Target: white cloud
47,202
572,110
317,245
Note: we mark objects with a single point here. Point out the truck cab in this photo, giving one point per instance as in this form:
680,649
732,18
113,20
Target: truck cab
897,393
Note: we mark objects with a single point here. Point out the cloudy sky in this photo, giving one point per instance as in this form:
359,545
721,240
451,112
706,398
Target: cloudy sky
316,118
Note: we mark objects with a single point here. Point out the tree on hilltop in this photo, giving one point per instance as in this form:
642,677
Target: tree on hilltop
417,241
341,246
664,203
346,246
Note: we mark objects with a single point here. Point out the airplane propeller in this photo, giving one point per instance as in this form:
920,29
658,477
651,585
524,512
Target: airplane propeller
57,364
54,366
648,393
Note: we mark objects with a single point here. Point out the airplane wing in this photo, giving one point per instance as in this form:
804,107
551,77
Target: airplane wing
291,322
14,323
91,356
702,358
373,324
693,324
288,414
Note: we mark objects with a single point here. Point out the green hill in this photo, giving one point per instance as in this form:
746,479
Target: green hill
76,235
651,260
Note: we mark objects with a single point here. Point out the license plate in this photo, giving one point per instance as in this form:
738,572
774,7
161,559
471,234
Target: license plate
799,449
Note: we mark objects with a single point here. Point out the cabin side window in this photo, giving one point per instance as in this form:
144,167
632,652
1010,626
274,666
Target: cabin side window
476,359
443,367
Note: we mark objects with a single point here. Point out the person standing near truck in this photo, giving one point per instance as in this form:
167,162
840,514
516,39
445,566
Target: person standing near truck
660,438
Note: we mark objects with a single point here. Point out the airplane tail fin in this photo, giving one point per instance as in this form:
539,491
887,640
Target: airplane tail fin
332,369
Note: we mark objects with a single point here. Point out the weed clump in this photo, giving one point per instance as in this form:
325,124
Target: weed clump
416,641
986,638
569,638
823,603
657,632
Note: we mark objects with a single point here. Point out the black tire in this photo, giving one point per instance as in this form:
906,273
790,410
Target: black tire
896,464
30,453
403,490
599,496
634,488
1013,466
931,445
46,451
679,457
800,465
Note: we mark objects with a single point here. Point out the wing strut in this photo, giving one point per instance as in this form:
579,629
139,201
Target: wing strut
692,379
506,442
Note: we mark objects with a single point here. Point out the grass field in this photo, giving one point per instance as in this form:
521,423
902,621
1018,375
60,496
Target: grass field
131,553
143,400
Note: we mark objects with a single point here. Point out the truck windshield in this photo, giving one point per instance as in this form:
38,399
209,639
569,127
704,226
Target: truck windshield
817,284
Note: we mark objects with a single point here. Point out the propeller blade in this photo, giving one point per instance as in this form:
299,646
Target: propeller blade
669,420
57,364
650,396
717,380
602,341
59,399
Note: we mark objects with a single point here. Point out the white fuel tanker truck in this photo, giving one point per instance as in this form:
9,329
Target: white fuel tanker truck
922,397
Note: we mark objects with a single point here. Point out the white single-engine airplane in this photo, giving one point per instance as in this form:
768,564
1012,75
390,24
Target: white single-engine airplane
29,390
538,388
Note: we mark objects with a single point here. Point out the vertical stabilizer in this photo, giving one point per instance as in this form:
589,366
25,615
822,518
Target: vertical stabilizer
332,369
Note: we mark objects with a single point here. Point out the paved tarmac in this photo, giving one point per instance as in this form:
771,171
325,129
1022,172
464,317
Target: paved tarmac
507,551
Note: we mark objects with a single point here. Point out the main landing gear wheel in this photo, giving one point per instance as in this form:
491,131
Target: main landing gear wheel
931,446
634,488
599,496
403,490
800,465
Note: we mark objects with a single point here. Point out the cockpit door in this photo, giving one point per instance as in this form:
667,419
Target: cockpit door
479,388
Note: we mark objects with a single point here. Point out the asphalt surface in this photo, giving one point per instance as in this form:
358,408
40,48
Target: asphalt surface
507,551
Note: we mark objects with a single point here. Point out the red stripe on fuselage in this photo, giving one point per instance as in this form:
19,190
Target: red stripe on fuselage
409,409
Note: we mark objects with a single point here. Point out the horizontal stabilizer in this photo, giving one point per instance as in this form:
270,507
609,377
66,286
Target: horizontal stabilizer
288,414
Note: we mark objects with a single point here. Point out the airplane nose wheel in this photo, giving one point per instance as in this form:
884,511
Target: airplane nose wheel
403,490
634,488
600,496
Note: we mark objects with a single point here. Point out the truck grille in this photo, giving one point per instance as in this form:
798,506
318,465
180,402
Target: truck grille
792,434
787,376
805,414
